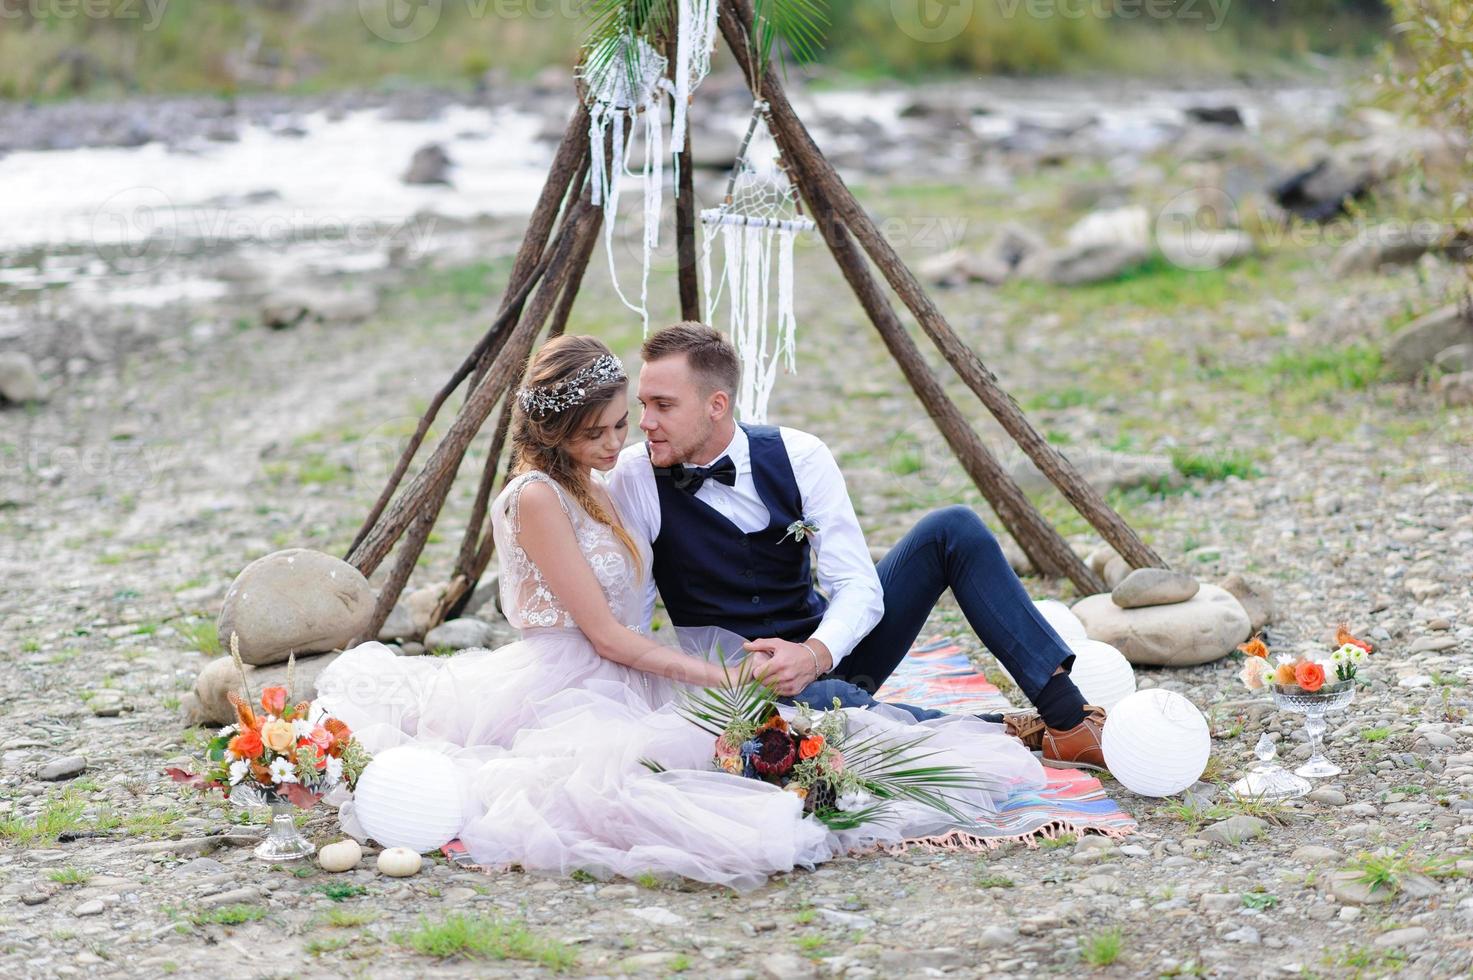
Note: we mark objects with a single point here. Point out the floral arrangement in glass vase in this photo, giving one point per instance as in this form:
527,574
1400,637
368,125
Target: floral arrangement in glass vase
287,751
1303,673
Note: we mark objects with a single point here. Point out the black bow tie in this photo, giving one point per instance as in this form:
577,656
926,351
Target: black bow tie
690,478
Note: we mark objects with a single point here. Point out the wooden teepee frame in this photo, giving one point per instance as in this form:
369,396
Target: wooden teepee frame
544,283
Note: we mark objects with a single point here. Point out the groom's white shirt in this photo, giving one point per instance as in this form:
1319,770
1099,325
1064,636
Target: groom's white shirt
842,560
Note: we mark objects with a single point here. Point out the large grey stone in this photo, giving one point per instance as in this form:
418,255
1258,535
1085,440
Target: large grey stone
210,705
1153,587
1391,244
1456,390
429,165
460,634
1415,346
296,601
1236,829
1202,629
399,625
63,768
19,381
1076,265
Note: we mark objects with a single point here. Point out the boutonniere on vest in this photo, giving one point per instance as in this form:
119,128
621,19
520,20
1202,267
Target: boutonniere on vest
799,530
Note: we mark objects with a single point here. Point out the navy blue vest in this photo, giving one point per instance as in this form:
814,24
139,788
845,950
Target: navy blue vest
711,573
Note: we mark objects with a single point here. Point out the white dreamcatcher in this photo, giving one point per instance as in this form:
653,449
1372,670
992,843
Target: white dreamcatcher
760,206
629,83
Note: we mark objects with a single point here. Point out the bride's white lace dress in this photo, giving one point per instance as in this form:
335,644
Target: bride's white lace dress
550,737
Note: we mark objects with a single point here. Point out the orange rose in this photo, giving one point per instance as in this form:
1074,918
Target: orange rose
1284,674
246,745
1255,648
273,699
277,735
1309,675
810,747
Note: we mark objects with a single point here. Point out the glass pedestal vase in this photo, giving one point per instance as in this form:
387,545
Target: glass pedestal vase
1268,780
283,842
1314,706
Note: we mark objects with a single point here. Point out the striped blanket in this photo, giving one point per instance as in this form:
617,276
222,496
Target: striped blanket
938,674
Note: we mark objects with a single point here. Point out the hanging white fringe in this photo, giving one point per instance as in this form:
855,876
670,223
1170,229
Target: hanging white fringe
695,40
761,344
614,98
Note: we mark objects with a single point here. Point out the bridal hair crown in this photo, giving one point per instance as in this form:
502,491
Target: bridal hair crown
540,401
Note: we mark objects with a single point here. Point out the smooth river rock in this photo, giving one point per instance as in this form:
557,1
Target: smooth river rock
1153,587
296,601
209,704
1204,628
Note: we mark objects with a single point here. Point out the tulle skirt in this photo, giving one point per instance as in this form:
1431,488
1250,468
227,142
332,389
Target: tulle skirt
552,741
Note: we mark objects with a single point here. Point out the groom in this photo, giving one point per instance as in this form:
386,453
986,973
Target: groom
741,517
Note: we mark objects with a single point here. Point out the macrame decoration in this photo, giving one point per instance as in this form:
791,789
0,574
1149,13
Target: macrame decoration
760,206
621,89
695,40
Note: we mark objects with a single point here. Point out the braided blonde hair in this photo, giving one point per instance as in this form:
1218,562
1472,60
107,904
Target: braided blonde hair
539,443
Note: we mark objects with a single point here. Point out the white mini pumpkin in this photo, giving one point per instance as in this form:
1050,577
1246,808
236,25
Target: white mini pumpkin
342,855
399,862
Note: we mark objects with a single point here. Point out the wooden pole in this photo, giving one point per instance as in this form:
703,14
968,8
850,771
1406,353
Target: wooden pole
797,146
427,493
685,221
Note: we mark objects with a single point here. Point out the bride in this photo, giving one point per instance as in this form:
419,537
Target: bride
551,732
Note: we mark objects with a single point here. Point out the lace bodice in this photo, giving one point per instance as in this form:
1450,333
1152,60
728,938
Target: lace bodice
527,600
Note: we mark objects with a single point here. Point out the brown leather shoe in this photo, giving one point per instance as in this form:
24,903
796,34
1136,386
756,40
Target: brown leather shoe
1027,727
1079,747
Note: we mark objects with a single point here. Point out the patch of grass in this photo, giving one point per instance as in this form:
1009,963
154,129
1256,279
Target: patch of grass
1386,872
1059,399
1214,466
348,918
1102,948
813,945
1054,843
201,635
995,881
803,916
1360,960
228,915
647,880
582,877
325,944
340,891
60,814
680,964
70,876
482,937
1262,901
1322,370
1375,734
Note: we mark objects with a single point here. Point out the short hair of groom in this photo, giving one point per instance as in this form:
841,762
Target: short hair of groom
710,355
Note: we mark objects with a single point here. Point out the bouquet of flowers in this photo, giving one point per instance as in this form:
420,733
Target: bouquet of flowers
289,751
843,781
1302,672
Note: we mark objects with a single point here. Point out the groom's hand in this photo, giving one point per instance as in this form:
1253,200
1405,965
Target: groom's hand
789,668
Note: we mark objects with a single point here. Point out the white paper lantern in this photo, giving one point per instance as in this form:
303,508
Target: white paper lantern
1062,619
1101,673
410,797
1156,743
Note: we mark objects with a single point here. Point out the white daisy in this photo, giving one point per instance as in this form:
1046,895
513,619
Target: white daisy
283,771
238,771
226,732
230,756
334,771
857,800
300,727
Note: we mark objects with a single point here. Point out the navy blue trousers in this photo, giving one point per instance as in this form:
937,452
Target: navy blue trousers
948,549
